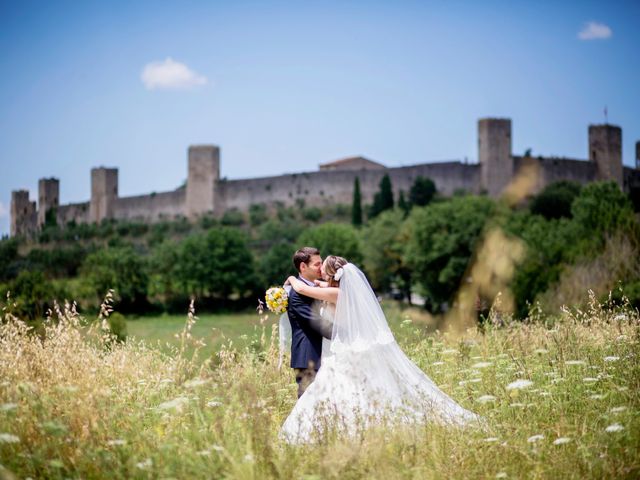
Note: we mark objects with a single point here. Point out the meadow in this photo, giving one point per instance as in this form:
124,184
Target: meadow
559,394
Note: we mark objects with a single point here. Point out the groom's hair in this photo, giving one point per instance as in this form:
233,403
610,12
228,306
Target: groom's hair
304,255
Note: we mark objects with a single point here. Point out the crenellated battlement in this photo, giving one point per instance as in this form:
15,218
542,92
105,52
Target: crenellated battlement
207,194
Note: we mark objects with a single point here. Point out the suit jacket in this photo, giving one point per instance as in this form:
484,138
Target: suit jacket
306,343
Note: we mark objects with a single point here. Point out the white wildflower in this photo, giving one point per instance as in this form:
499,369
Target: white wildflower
8,438
575,362
561,440
196,382
501,475
481,365
616,427
535,438
176,404
611,359
248,457
145,464
213,403
597,396
217,448
486,398
618,409
491,439
589,379
519,384
204,453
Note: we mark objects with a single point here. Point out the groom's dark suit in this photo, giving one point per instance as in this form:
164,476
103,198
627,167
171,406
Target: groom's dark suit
306,343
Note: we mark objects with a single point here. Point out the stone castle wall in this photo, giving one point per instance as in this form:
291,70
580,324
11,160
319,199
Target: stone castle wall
205,193
153,207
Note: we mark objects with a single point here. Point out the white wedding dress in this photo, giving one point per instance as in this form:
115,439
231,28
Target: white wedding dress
365,378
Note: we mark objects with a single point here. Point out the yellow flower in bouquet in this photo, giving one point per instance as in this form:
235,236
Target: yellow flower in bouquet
277,300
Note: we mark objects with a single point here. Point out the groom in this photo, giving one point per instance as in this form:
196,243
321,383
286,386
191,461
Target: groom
306,343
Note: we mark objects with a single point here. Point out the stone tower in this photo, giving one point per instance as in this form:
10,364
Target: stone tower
104,192
494,154
48,198
605,150
23,213
204,173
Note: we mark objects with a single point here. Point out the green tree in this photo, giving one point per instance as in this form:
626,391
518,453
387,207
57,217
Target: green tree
383,199
215,264
33,295
404,206
333,239
555,200
422,192
276,264
602,209
383,244
356,208
119,268
441,239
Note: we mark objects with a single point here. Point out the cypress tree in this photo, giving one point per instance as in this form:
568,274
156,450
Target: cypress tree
356,208
386,194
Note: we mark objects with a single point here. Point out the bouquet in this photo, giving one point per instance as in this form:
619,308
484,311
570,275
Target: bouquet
277,300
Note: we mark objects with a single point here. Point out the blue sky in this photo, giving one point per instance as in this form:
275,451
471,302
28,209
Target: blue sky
284,86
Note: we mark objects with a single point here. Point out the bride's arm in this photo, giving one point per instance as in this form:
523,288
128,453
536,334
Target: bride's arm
328,294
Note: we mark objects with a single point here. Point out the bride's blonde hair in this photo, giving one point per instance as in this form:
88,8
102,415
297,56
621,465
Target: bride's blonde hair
331,265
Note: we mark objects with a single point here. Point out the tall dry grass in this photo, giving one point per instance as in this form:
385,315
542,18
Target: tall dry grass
560,395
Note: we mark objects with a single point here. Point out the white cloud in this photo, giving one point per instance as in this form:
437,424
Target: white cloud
169,74
595,31
4,211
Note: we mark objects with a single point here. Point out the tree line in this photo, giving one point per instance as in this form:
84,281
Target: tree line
414,243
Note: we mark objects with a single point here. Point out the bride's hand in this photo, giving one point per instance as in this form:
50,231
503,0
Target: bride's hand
320,283
288,280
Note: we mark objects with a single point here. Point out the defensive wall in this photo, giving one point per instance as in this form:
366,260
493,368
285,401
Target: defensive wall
205,193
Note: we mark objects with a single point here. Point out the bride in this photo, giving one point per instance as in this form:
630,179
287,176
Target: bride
365,377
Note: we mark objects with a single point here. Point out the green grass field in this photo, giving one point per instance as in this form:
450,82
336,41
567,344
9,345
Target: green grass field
560,398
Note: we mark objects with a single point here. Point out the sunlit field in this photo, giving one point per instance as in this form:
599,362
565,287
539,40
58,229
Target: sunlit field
559,395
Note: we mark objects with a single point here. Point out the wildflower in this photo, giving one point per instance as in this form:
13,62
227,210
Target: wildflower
491,439
486,398
144,465
203,453
117,442
196,382
561,440
217,448
175,404
589,380
535,438
481,365
575,362
611,359
545,394
616,427
618,409
501,475
213,403
519,384
8,438
597,396
248,457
